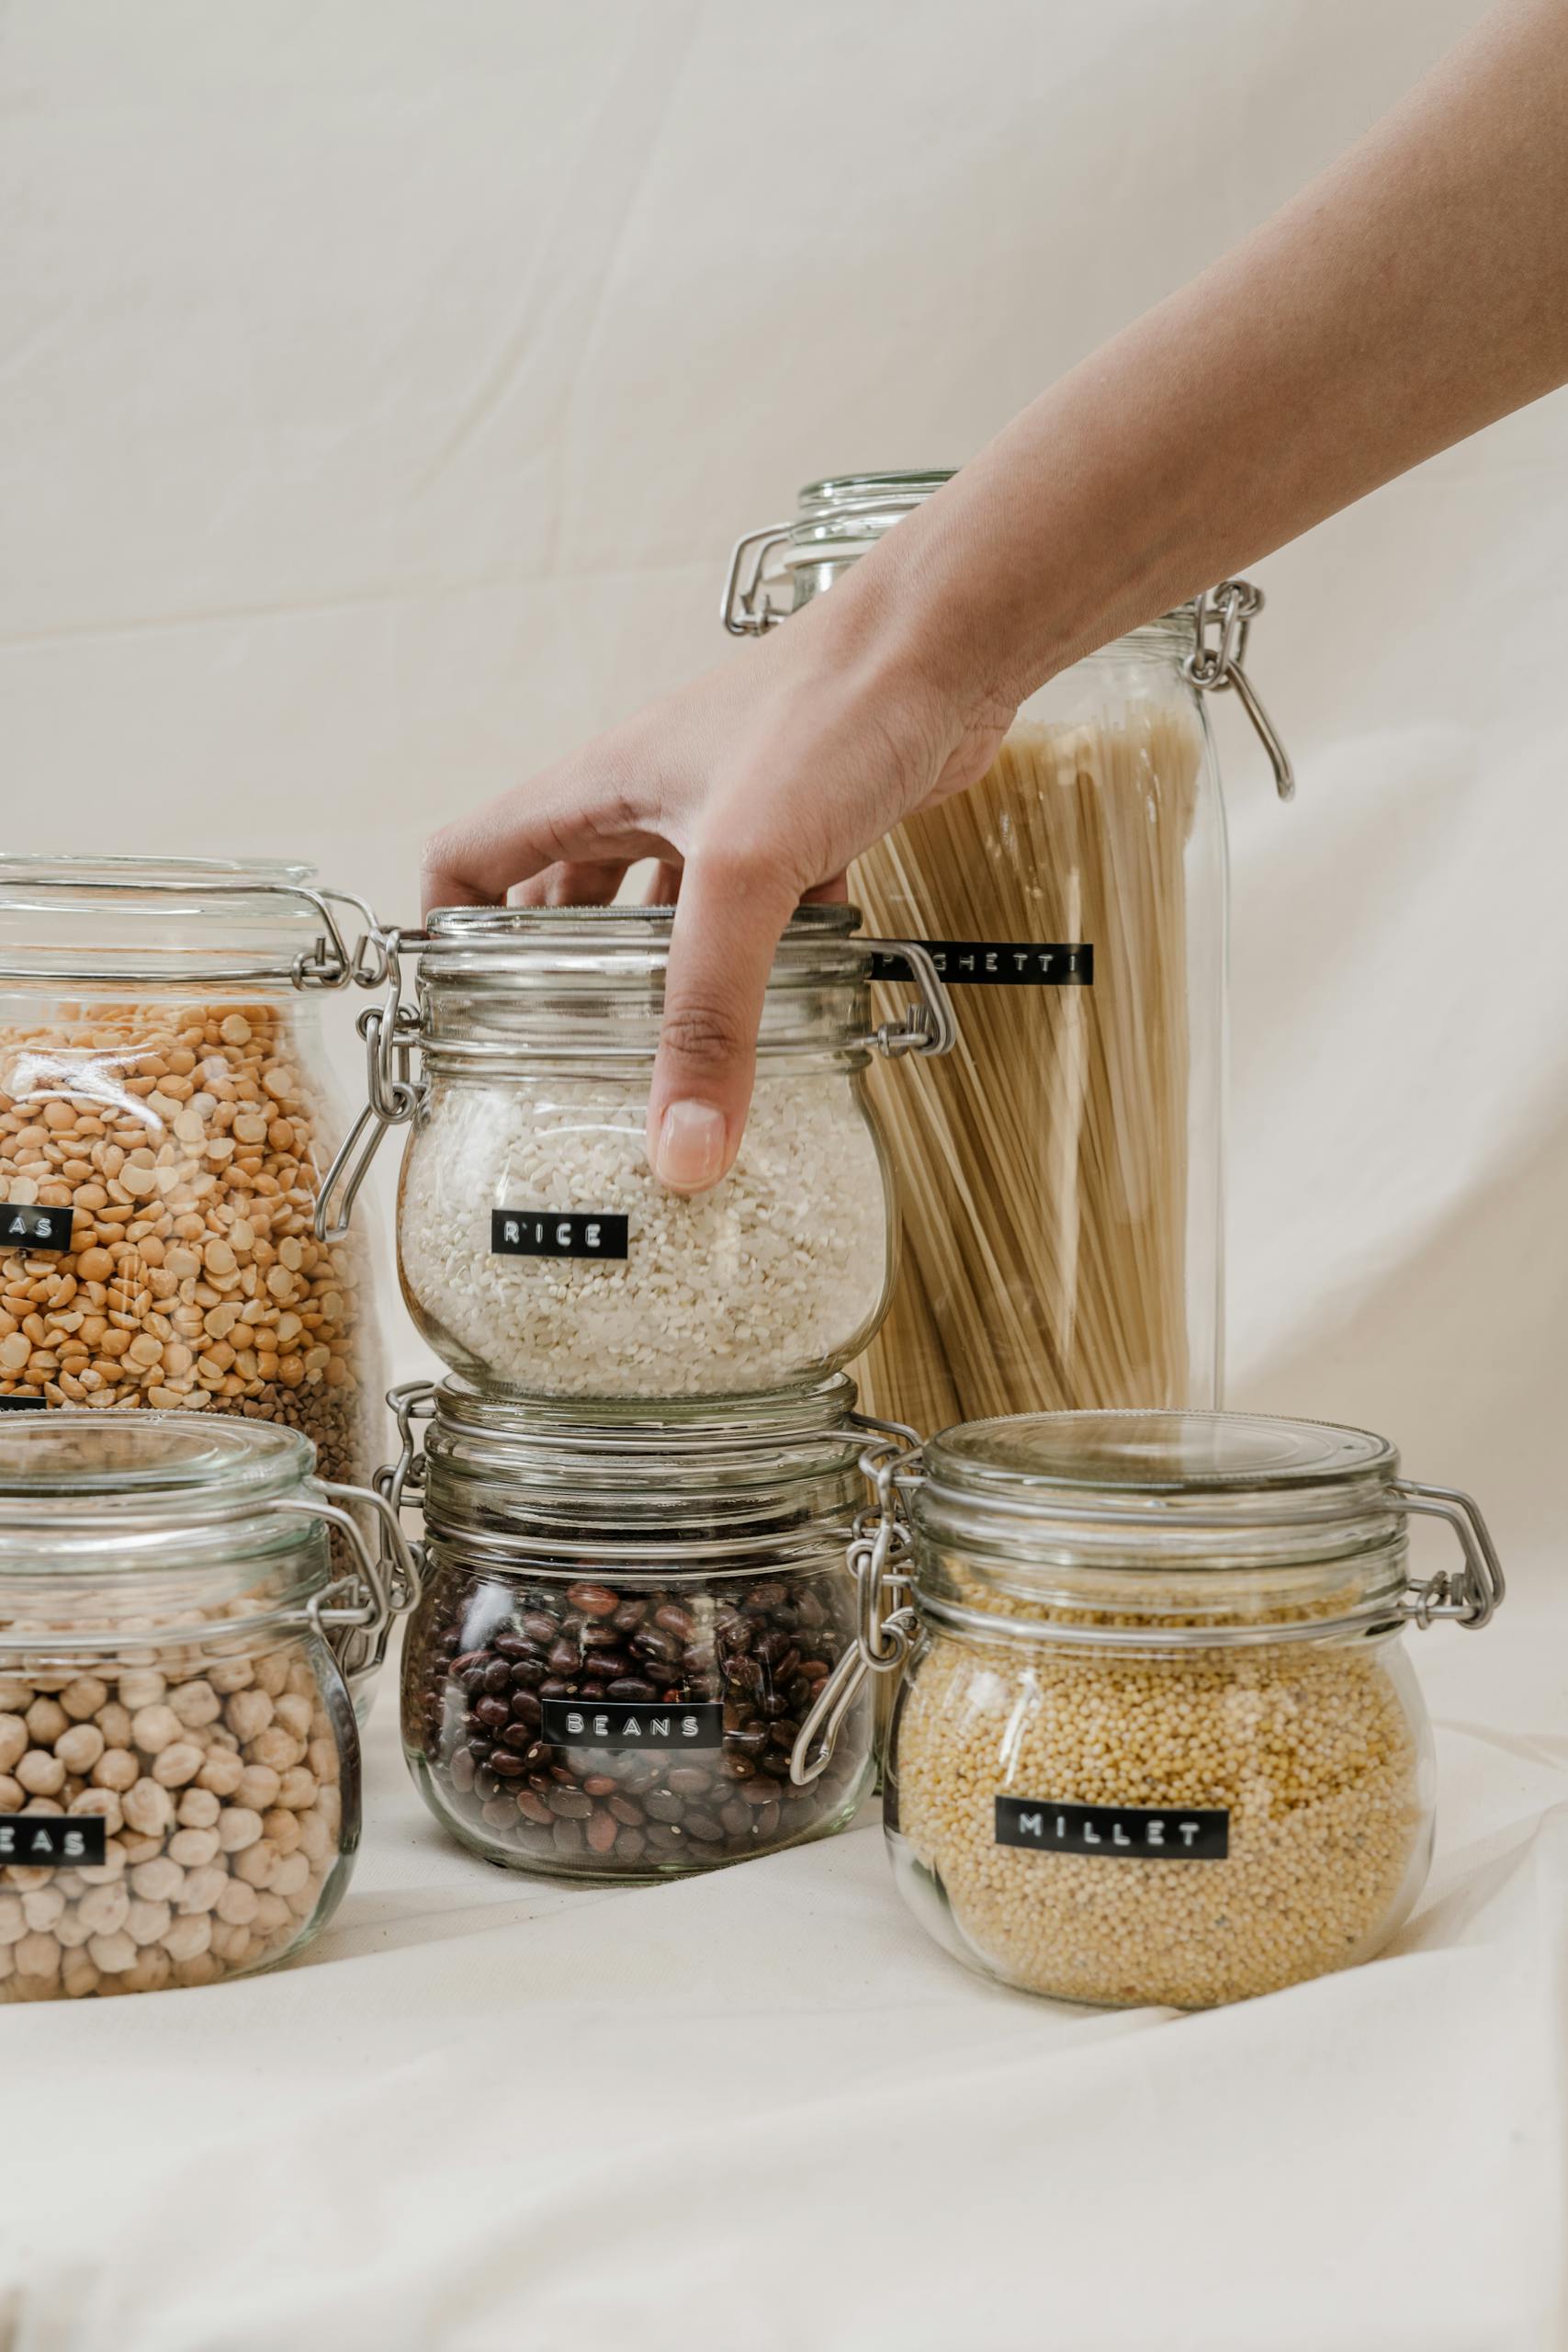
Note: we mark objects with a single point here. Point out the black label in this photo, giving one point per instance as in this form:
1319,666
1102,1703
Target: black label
556,1233
52,1841
1150,1833
611,1723
23,1226
1000,963
23,1404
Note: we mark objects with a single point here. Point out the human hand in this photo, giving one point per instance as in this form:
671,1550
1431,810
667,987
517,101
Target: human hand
754,788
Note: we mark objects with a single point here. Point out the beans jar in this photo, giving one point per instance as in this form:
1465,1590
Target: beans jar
1159,1739
537,1251
1061,1173
179,1766
627,1611
166,1115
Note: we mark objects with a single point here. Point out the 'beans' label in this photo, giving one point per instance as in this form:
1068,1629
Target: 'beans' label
23,1404
24,1226
1000,963
1136,1832
53,1842
610,1722
556,1233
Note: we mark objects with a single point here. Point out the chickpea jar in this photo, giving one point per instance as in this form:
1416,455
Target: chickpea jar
627,1614
537,1251
166,1115
1157,1740
179,1763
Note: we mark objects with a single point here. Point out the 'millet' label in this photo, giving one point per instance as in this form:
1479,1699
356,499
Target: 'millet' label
53,1842
1000,963
613,1723
1136,1833
557,1233
25,1227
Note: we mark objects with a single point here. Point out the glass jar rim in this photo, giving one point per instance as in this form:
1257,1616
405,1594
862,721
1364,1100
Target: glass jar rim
1131,1460
840,511
600,945
75,1470
618,1426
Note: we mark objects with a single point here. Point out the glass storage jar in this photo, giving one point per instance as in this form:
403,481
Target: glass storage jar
624,1620
1061,1172
179,1767
166,1112
1158,1740
537,1251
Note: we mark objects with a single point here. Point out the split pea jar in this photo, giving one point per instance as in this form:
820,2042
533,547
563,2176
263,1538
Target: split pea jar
1158,1740
179,1764
627,1613
166,1117
537,1251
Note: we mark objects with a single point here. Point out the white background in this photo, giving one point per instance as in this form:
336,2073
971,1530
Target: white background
381,385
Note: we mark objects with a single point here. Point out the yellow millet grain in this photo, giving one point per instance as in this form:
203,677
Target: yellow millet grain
1310,1748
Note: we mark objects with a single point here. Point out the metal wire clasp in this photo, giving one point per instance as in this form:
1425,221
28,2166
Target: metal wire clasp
747,610
390,1030
1216,668
927,1027
877,1557
1473,1596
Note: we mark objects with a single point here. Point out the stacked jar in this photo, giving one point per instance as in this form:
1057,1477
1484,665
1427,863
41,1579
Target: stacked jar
166,1115
639,1481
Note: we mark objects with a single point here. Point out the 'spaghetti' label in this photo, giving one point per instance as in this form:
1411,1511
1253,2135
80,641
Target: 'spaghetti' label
1133,1832
999,963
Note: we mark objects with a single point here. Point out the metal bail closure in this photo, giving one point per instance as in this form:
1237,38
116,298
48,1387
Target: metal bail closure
1215,669
746,609
386,1580
1472,1597
929,1027
390,1030
876,1557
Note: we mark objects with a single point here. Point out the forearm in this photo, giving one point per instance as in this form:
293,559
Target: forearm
1412,295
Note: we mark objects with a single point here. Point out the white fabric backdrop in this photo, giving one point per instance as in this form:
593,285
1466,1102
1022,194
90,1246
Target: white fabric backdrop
383,382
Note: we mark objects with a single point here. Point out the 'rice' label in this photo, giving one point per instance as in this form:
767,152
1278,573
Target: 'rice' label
23,1404
999,963
25,1227
1137,1833
557,1233
53,1842
612,1723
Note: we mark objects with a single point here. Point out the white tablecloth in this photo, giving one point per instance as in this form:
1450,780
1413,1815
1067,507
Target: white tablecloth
760,2110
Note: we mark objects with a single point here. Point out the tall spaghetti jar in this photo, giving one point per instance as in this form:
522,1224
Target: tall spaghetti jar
167,1116
1060,1171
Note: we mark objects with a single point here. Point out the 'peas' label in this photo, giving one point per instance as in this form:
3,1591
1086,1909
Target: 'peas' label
1136,1833
25,1227
52,1841
614,1722
23,1404
1000,963
557,1233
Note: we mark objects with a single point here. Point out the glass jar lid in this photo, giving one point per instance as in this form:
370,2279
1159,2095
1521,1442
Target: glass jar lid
205,921
1163,1517
76,1468
642,1481
575,983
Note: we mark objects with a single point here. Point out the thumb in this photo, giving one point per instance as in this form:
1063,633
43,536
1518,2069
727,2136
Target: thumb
729,918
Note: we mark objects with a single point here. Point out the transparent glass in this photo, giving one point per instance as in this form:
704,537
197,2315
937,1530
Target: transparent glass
1318,1755
537,1251
187,1126
1158,1740
1061,1172
624,1621
179,1768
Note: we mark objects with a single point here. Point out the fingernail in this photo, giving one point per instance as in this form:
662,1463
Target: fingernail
689,1153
